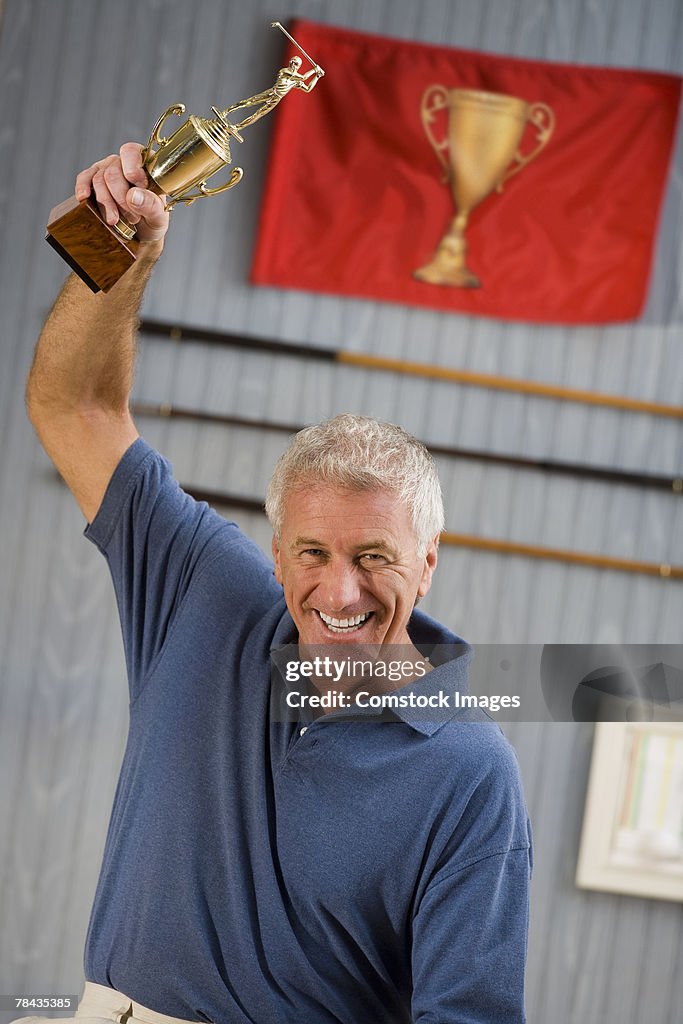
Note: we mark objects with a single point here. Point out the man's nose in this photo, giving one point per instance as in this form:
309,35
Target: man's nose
340,587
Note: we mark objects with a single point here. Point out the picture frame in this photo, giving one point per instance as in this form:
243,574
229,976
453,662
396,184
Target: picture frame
632,836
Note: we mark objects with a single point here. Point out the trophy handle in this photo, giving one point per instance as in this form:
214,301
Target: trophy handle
542,118
434,99
176,108
189,197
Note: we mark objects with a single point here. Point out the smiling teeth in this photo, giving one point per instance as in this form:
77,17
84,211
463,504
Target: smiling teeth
340,625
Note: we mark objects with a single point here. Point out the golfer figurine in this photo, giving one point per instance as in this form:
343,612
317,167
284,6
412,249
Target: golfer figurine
288,78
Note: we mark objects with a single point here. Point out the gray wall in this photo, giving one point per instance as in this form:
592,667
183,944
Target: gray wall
76,78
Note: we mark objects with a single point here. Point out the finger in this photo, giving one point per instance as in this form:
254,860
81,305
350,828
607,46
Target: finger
153,222
84,179
119,187
104,197
131,161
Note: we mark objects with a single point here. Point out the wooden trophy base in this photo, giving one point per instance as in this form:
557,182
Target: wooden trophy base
93,249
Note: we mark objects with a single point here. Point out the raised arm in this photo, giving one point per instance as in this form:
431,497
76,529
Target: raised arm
82,373
318,72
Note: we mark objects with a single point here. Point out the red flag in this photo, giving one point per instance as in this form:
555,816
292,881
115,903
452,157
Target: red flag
356,199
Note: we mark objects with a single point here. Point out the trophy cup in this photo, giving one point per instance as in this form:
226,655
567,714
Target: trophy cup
101,253
479,152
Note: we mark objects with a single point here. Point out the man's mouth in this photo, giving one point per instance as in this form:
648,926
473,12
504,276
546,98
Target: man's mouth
344,625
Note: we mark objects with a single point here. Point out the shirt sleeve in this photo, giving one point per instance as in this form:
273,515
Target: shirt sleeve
469,940
157,541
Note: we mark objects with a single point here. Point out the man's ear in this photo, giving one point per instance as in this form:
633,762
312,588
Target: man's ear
428,566
276,559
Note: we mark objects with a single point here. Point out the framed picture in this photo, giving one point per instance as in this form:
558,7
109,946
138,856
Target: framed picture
632,839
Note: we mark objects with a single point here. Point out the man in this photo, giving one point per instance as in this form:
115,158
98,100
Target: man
335,868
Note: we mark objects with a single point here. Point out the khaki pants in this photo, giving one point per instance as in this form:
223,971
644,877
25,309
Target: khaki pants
102,1005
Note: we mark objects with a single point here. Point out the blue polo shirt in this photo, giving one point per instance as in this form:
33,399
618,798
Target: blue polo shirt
355,872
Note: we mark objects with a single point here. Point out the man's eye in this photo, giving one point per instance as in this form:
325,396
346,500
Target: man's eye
313,552
373,557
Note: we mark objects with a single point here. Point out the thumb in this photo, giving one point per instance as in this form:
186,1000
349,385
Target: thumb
152,224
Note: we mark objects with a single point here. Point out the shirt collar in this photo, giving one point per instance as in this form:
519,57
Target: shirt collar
448,653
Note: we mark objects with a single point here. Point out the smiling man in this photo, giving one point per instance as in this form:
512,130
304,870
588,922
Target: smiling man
356,510
348,562
333,869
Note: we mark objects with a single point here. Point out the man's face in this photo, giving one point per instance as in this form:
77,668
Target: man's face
349,566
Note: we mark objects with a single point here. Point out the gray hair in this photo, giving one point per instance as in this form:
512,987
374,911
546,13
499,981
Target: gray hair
361,454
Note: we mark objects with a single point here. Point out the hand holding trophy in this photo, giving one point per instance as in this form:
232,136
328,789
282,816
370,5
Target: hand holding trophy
99,236
118,182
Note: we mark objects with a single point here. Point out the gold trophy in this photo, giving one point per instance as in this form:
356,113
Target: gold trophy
479,153
177,167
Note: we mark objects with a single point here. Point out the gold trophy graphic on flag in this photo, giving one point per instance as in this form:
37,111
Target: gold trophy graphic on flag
479,153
